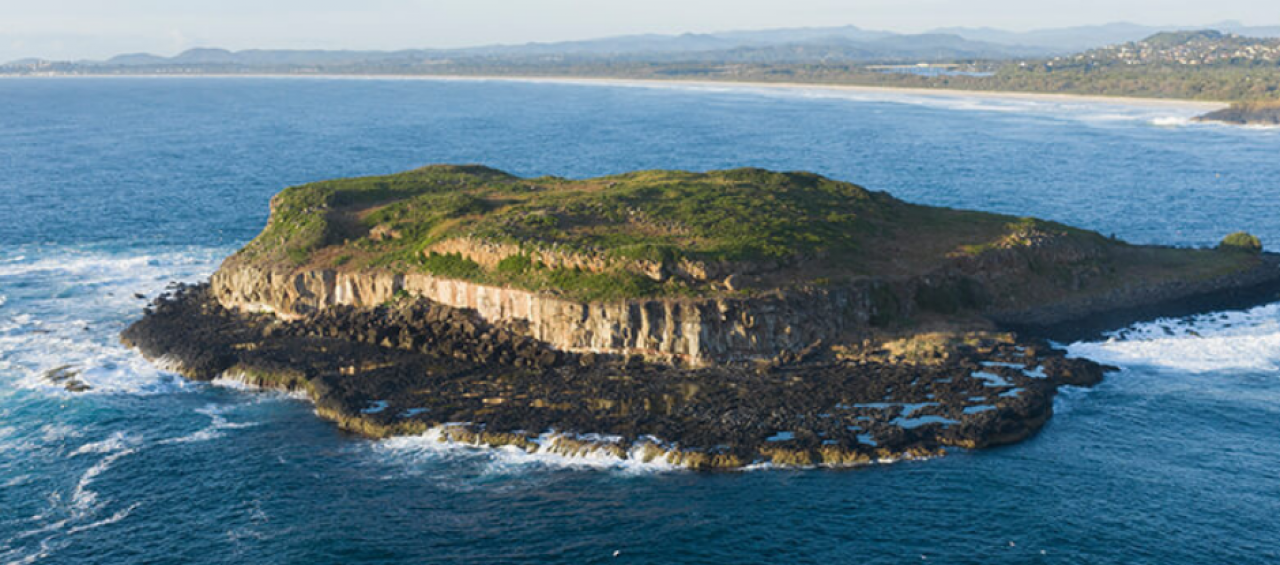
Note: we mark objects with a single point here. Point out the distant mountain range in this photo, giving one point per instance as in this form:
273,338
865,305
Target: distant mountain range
1072,39
795,45
771,46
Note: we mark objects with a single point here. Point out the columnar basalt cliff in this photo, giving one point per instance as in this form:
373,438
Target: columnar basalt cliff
695,331
709,320
1005,284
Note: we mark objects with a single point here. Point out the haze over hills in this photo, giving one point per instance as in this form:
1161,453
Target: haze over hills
790,45
775,46
1198,64
1071,39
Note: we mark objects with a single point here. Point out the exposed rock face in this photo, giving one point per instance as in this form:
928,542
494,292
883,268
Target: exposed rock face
1038,282
418,367
880,348
1257,114
697,332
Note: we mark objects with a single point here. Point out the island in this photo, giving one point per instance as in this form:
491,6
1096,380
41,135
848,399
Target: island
712,320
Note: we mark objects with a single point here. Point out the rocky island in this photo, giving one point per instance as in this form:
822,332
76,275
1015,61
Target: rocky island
1263,113
706,320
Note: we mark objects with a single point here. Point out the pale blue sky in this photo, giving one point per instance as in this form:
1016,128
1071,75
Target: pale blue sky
68,29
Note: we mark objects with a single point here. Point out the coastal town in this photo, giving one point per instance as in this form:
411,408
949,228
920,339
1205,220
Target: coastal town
1192,48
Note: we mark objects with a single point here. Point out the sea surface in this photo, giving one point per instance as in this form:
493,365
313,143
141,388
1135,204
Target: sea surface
115,187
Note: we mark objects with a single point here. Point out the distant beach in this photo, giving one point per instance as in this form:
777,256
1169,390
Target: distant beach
939,92
1197,105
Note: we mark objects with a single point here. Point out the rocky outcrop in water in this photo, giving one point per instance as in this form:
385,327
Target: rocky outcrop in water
1246,113
417,367
666,315
692,331
1043,283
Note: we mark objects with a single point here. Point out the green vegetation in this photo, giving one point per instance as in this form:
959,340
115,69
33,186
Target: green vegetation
1266,113
655,216
658,233
1196,65
1242,241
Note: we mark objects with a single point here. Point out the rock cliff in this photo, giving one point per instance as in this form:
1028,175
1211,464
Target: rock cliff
1006,286
672,312
693,331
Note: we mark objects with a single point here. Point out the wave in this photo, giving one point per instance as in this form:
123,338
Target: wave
1242,341
1172,121
236,380
66,307
218,425
434,447
79,511
1155,112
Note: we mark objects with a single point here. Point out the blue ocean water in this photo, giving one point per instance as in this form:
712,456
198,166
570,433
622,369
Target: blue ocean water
111,187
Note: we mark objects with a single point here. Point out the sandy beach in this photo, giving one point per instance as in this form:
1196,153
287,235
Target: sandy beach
941,93
1197,105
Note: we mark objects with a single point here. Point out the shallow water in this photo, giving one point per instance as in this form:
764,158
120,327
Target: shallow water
113,187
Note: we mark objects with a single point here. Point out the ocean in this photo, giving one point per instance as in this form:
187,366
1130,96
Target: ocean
111,188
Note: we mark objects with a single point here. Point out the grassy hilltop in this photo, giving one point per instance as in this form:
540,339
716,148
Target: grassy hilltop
667,233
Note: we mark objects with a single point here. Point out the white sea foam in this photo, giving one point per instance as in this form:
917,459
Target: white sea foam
1242,341
237,380
66,308
79,511
432,446
57,433
1101,112
1171,121
118,441
218,425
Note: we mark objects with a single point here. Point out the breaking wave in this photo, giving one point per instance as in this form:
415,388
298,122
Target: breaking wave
1242,341
65,310
432,448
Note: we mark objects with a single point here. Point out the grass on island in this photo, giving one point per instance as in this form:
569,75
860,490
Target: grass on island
795,228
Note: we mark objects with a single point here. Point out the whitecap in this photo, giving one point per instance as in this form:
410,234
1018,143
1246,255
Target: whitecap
239,381
1171,121
118,441
67,306
1241,340
433,447
218,425
56,433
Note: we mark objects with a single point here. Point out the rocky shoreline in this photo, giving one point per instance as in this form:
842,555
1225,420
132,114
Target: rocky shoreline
415,367
664,316
1246,114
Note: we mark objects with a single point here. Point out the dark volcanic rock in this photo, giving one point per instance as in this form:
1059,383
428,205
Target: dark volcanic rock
416,366
1259,114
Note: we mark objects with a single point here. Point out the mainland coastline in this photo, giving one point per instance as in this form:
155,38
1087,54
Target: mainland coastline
1152,102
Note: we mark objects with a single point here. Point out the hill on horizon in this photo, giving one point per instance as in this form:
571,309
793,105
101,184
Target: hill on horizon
782,45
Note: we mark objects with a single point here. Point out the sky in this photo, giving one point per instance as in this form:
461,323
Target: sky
97,29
